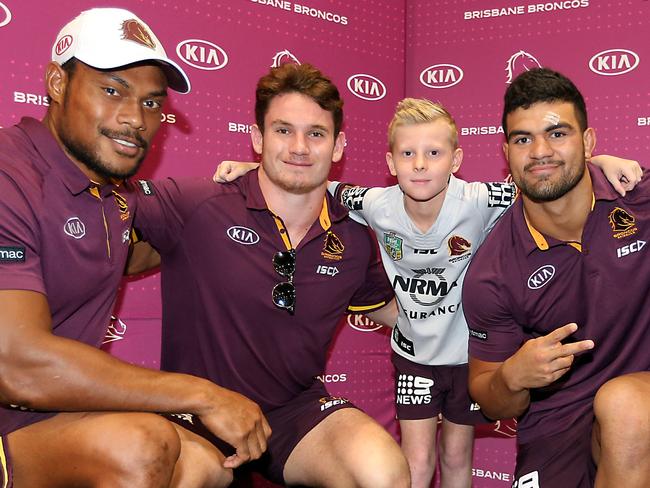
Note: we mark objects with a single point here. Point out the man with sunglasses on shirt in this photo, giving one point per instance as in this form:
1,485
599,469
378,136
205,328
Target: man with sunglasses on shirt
255,278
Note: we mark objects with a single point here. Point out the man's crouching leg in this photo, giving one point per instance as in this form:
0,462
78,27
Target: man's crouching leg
99,450
621,441
347,449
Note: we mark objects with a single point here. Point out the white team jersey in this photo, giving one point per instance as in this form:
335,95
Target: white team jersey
427,269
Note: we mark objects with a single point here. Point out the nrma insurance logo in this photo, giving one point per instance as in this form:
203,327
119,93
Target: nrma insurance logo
201,54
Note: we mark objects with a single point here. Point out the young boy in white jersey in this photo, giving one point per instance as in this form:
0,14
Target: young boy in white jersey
428,227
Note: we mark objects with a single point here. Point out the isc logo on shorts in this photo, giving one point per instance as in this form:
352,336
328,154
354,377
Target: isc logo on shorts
332,401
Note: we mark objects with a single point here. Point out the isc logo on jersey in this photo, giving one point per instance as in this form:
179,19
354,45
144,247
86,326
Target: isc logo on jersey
630,248
413,390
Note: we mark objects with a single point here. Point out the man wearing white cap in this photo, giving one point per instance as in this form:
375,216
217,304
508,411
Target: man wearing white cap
70,414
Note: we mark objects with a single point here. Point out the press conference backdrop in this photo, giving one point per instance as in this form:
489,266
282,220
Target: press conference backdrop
461,53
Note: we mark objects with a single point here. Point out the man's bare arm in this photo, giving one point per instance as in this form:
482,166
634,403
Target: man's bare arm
386,315
228,171
42,371
623,174
503,389
142,258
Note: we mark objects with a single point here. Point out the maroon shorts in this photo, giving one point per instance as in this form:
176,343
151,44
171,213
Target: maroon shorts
559,460
6,480
423,392
290,423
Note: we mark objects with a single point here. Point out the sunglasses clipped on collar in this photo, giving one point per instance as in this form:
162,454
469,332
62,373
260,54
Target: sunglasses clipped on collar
284,294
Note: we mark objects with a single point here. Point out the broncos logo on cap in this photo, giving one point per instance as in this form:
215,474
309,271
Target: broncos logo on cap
133,30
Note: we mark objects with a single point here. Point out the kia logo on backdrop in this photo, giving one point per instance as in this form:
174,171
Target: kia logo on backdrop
366,87
202,54
5,15
362,323
441,76
613,62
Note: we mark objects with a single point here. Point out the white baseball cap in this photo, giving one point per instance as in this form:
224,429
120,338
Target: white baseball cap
109,38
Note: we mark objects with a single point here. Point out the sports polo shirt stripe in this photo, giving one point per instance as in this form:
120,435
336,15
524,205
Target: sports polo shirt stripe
217,244
516,290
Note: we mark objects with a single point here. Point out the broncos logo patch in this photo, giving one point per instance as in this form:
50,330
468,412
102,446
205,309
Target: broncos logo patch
622,222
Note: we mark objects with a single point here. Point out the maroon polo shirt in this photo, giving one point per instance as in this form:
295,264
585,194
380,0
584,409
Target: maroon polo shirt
217,244
60,235
523,285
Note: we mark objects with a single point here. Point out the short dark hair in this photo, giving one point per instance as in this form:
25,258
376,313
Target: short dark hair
298,78
543,85
70,66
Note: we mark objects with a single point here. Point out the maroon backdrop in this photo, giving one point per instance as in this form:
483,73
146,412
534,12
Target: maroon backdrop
461,53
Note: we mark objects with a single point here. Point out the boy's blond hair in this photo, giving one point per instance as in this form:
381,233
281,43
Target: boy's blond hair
411,111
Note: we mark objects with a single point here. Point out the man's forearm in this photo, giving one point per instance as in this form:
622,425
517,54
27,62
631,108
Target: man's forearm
498,400
386,315
66,375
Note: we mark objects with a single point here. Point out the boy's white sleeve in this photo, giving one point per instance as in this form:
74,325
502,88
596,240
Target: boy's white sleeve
494,199
359,200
